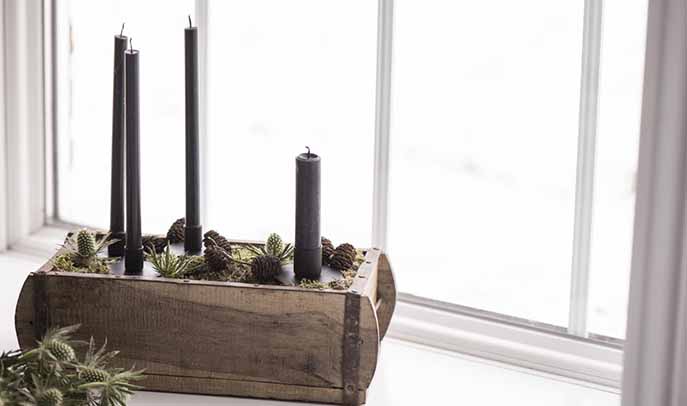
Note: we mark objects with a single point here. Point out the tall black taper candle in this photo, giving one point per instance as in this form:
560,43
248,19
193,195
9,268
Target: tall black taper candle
117,176
194,232
307,261
134,251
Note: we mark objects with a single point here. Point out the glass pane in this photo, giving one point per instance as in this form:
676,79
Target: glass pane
85,65
283,75
620,99
484,141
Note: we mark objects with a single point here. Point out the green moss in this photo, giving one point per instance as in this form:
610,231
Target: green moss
311,284
66,263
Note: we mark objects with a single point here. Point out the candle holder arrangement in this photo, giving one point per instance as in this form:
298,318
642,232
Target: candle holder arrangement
201,313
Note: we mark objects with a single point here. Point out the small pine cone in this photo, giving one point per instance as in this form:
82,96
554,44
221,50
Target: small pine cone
154,243
50,397
177,231
213,238
348,249
217,259
327,251
265,267
341,260
60,350
85,242
91,375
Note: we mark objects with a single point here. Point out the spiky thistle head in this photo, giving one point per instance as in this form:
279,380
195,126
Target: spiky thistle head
56,343
85,241
92,375
49,397
285,254
60,350
44,393
274,244
83,246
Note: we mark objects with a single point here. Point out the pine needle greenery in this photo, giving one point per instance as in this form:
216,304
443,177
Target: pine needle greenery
52,375
170,265
80,253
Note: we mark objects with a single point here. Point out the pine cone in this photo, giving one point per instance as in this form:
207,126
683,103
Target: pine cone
60,350
341,260
85,242
327,251
91,375
216,259
50,397
177,231
265,267
348,249
154,243
213,238
274,244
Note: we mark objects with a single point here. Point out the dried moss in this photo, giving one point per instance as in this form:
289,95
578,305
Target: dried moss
66,263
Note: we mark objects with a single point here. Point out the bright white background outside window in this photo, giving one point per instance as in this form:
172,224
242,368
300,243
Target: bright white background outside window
85,109
484,139
283,75
485,99
620,94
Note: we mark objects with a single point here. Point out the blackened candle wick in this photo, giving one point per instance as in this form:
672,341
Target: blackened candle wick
131,44
308,148
190,24
121,33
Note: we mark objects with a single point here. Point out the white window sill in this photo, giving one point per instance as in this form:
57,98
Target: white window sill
408,374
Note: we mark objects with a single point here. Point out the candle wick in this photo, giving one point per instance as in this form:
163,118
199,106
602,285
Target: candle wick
190,24
131,44
121,33
308,151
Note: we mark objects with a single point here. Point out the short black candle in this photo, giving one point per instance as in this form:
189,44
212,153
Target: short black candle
118,127
193,236
307,262
134,250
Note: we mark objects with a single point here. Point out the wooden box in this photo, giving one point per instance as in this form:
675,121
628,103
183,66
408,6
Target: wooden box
223,338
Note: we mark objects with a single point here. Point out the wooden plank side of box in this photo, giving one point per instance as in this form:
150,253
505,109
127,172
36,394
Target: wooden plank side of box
204,330
261,390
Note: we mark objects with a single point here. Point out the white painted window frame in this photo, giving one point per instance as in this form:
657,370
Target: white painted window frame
584,185
420,320
656,350
24,119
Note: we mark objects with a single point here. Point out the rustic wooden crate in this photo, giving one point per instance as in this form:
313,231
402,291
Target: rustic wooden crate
223,338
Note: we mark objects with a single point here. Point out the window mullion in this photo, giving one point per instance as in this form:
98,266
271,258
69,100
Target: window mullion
380,197
584,185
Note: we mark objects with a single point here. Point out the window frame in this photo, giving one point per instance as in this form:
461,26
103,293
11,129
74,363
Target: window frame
570,351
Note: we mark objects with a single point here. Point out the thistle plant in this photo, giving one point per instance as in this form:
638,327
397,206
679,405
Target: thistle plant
170,265
274,244
81,253
274,247
52,375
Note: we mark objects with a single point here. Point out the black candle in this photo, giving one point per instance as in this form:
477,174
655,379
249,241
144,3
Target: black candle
193,237
117,176
308,248
134,251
